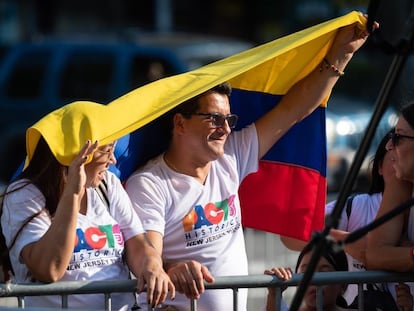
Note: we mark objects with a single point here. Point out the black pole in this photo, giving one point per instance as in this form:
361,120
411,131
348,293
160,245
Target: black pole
321,239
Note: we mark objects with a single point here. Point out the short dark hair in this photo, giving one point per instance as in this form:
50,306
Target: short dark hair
191,106
338,259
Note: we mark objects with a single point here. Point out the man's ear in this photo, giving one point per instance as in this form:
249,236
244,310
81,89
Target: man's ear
178,122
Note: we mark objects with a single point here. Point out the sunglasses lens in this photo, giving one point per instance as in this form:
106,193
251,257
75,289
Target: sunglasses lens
232,120
394,139
218,120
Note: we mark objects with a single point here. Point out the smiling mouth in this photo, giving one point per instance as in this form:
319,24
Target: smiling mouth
217,136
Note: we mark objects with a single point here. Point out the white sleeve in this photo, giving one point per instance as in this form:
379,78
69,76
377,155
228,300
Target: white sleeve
19,206
343,220
329,207
148,202
245,145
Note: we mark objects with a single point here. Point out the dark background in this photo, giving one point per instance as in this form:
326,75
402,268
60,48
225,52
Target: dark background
257,21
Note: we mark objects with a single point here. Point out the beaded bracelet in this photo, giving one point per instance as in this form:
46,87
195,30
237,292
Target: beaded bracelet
333,67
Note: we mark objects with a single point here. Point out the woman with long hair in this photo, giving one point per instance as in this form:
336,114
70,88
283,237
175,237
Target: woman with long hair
66,217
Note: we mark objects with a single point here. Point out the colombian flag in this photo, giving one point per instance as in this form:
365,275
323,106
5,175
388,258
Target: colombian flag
287,195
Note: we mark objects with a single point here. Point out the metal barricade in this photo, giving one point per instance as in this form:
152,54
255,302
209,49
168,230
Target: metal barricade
229,282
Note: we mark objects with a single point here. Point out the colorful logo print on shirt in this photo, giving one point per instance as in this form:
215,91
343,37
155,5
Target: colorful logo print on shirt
96,247
109,236
210,214
209,223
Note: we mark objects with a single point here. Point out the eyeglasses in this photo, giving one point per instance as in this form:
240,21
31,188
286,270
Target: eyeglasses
218,119
395,138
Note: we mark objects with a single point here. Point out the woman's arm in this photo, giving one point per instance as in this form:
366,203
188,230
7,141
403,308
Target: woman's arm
48,258
383,250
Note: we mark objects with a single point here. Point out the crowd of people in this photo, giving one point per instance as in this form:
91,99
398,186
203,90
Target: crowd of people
67,217
360,210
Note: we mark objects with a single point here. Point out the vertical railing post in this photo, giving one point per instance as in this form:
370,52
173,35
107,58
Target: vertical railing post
278,298
20,302
193,305
108,302
235,299
64,301
361,304
319,298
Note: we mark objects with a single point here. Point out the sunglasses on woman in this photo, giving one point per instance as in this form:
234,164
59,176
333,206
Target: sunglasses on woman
395,138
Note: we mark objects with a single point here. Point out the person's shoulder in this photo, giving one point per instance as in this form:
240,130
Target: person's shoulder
356,199
249,129
17,184
22,192
22,187
242,140
360,196
365,206
111,177
150,169
367,198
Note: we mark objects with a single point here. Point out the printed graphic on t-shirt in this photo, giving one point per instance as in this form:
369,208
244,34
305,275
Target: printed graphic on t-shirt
358,265
97,246
206,224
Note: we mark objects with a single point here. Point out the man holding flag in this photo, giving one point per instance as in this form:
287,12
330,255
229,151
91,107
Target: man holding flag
187,197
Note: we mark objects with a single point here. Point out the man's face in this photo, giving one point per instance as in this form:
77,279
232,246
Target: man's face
203,132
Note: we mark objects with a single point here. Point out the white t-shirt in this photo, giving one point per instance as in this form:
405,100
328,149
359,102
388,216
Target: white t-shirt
364,209
97,255
200,222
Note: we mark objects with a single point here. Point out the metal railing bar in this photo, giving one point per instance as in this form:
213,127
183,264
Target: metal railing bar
66,288
320,278
226,282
